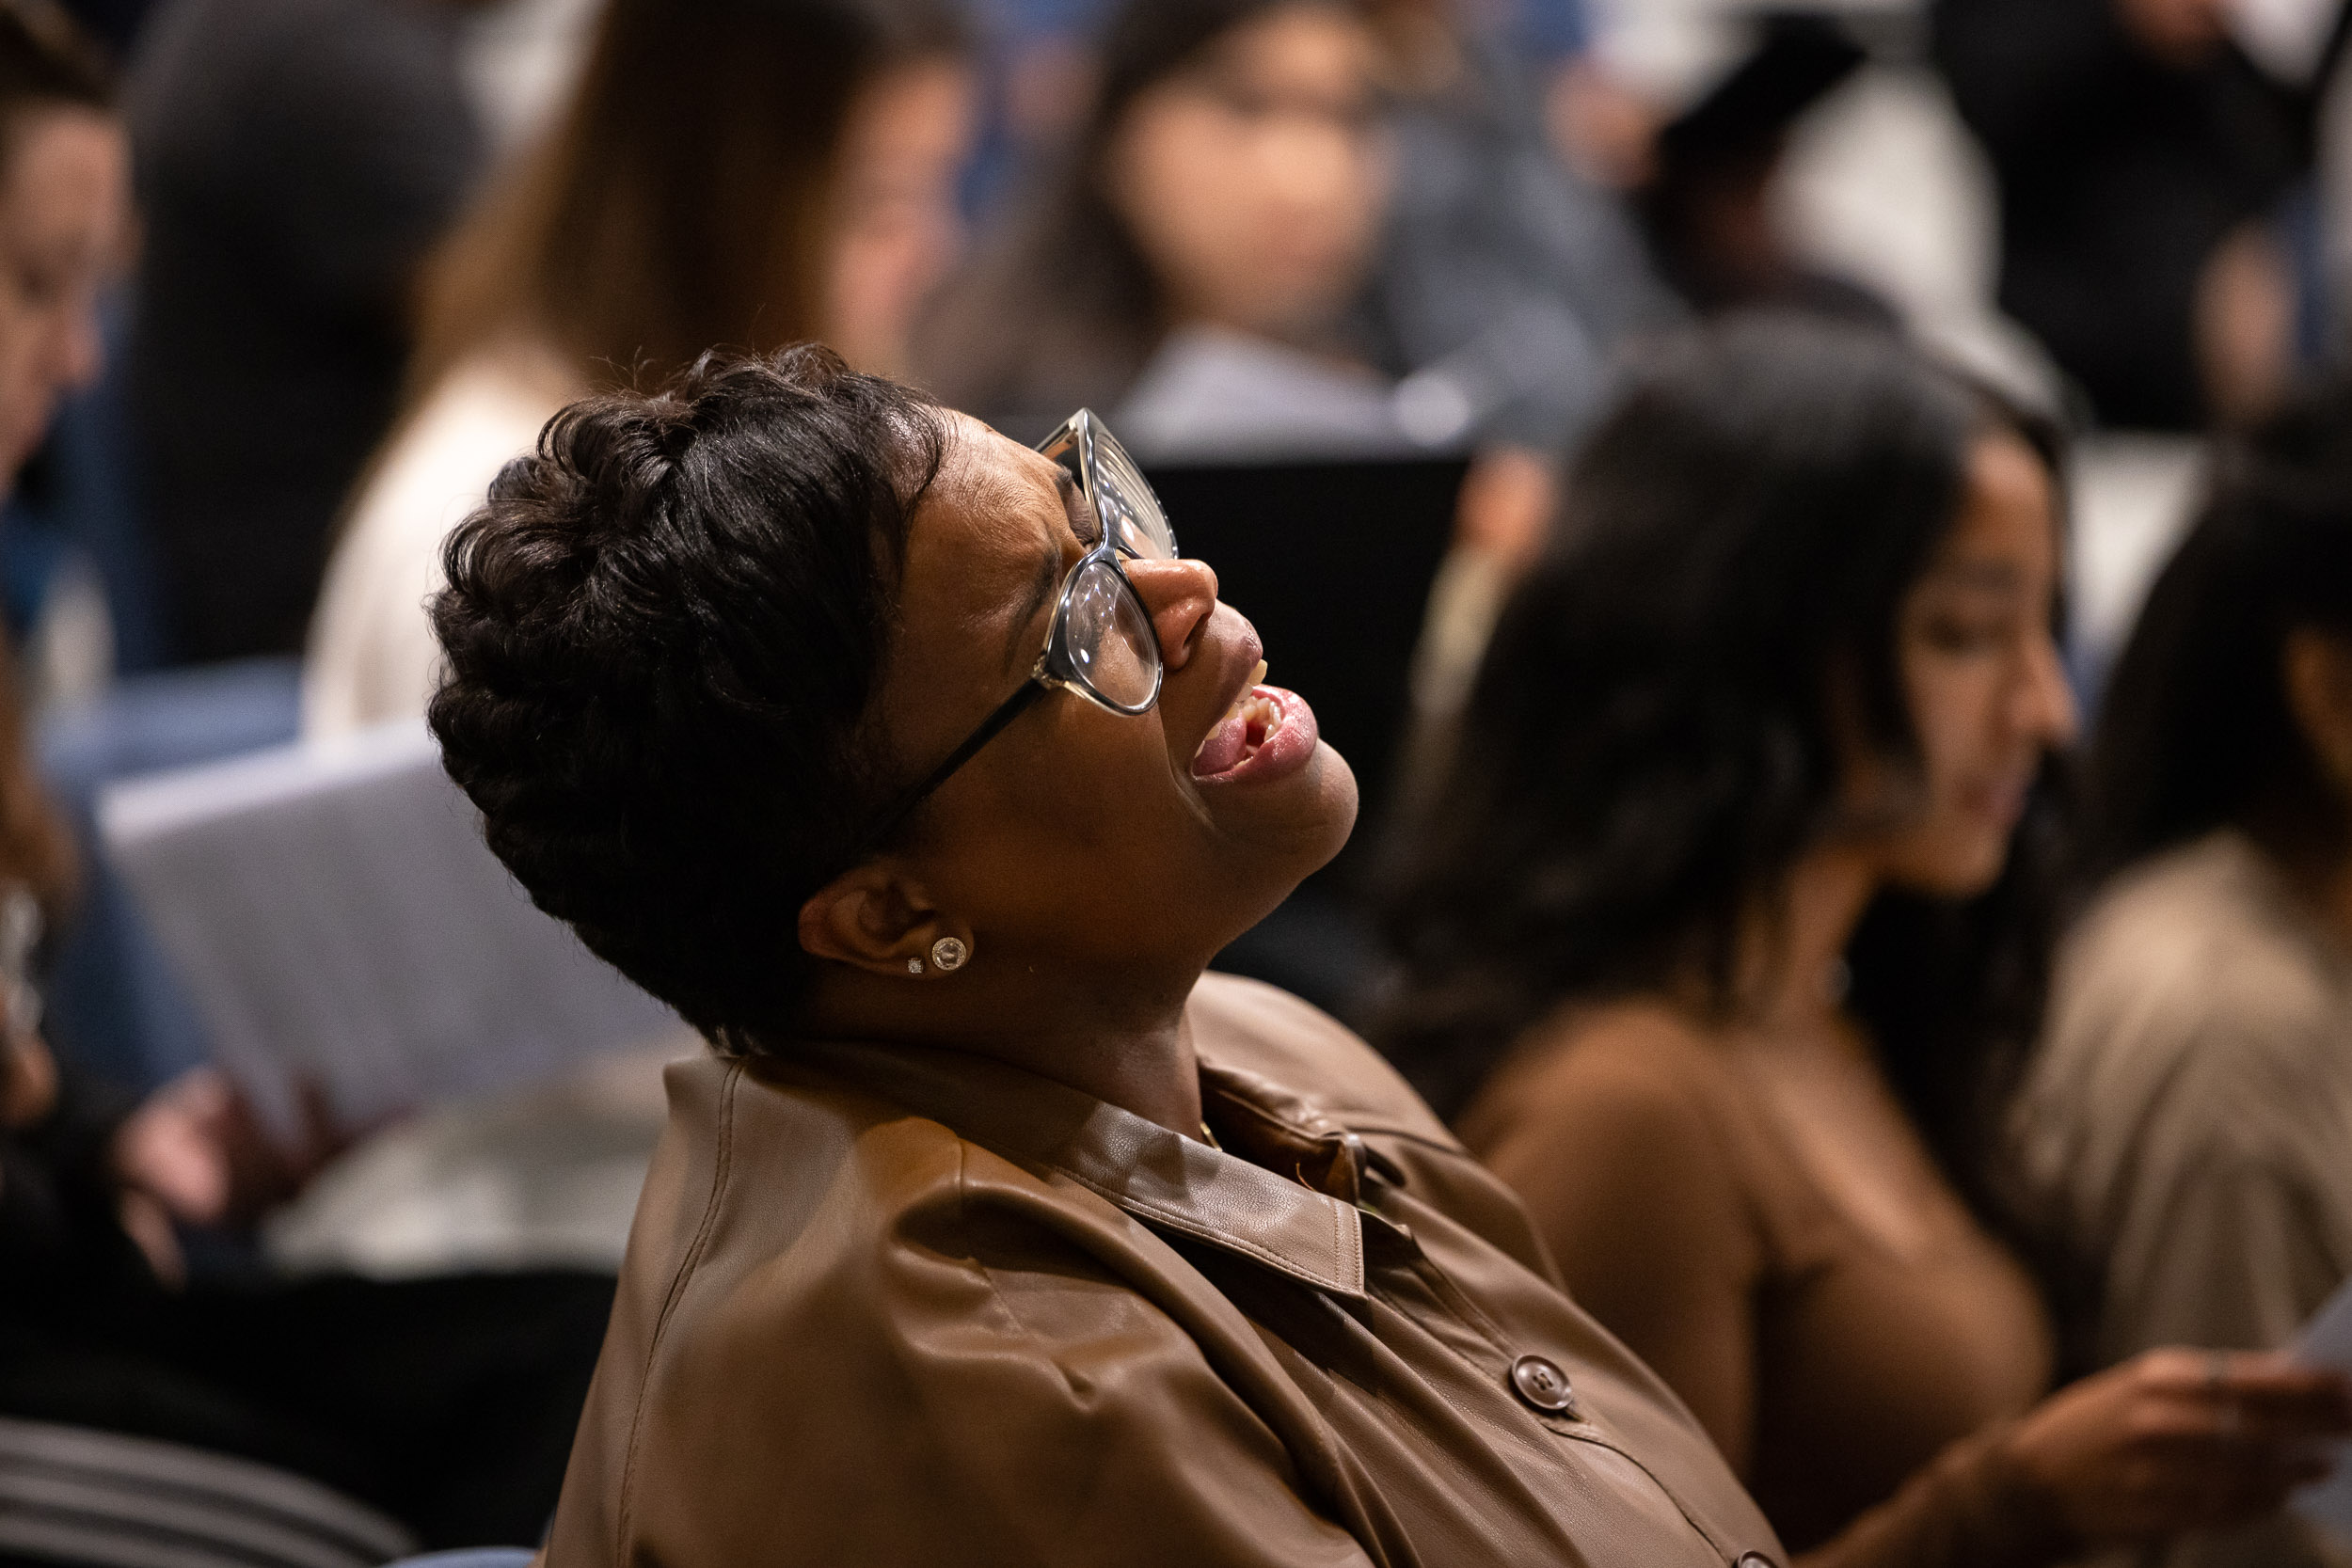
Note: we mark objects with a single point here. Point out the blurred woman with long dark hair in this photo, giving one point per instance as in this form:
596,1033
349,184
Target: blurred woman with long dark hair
1727,932
2187,1119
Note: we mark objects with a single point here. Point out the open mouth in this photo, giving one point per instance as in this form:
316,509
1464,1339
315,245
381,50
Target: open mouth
1267,731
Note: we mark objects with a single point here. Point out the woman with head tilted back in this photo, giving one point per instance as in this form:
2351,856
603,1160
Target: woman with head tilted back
2187,1118
1725,931
920,772
745,172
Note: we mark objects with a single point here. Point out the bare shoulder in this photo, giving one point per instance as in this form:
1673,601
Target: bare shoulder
1625,1069
1616,1126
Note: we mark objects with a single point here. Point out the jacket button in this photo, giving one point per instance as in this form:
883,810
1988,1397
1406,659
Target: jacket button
1752,1559
1542,1384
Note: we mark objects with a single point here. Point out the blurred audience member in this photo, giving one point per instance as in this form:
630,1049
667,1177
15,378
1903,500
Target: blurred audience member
1730,920
736,172
2191,1110
1505,282
2139,153
1228,188
1500,269
449,1402
296,159
64,221
1708,198
1228,177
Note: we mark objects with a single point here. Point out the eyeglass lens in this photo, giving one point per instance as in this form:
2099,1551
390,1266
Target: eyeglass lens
1111,640
1127,506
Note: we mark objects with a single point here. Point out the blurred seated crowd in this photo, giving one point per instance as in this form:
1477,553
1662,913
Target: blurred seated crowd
1919,1034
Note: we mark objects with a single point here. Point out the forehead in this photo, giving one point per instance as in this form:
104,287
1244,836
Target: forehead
2009,514
983,470
976,537
1306,41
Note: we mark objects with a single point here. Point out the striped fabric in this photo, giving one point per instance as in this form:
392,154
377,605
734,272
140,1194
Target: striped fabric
69,1495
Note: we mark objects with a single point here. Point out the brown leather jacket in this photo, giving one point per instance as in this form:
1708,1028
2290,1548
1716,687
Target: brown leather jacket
900,1306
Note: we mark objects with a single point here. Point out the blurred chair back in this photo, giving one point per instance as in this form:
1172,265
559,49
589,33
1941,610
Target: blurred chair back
70,1495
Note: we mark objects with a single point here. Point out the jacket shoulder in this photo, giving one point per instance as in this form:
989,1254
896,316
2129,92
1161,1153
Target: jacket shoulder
837,1299
1265,1030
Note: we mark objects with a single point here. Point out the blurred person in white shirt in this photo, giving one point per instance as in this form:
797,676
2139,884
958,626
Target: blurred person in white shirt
726,174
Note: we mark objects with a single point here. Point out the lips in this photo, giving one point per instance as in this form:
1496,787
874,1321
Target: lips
2001,799
1268,733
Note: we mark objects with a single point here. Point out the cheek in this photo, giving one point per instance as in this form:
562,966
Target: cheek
1954,706
21,326
1187,180
882,271
1087,800
24,389
1956,846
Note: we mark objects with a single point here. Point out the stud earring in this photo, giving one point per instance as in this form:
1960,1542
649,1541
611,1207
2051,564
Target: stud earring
948,954
914,966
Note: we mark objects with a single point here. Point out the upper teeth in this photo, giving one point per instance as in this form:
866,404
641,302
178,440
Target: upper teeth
1250,705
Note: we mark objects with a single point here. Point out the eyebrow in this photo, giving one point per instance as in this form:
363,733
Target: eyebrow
1042,582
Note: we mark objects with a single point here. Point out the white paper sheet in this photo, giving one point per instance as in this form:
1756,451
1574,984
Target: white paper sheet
339,919
2327,1342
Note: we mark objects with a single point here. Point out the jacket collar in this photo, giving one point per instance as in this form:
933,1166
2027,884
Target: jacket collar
1313,1233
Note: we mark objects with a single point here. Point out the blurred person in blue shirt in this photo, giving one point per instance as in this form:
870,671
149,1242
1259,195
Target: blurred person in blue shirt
1229,175
1458,256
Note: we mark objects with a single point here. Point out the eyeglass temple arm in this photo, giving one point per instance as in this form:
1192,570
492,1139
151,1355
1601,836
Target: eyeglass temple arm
1006,711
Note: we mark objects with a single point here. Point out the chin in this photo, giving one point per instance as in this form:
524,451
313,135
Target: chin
1284,835
1336,798
1958,873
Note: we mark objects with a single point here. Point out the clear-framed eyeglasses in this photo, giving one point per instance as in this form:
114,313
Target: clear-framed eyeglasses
1101,643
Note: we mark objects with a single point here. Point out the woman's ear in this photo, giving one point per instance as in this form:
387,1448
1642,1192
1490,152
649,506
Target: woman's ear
2316,669
873,917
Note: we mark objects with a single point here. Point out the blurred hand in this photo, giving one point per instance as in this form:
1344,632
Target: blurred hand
197,1150
171,1150
2180,33
1505,504
2179,1440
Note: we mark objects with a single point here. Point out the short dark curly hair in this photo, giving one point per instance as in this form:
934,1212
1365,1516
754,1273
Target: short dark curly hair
663,631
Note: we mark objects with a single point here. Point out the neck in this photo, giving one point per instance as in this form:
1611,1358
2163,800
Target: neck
2311,855
1788,955
1124,1042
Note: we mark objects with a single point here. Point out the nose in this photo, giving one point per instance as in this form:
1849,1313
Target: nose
1181,596
2045,700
